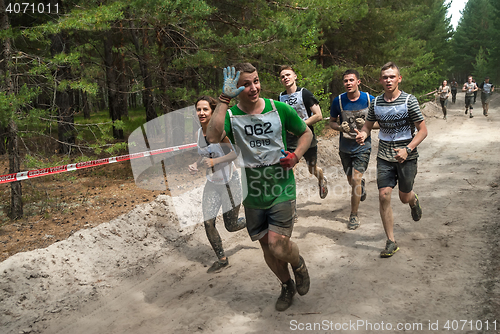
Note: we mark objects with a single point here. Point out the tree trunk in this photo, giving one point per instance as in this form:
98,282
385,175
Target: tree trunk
75,101
165,105
3,140
66,123
111,80
147,95
86,106
4,72
16,193
9,133
123,82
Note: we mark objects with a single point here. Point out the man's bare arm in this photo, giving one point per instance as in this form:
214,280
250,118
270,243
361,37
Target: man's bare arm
316,115
215,129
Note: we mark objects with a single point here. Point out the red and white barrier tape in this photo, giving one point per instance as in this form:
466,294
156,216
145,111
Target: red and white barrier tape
67,168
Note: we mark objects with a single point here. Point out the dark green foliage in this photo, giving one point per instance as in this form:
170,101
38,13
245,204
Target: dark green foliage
155,56
475,42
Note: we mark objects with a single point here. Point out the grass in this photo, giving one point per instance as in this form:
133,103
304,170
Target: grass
100,122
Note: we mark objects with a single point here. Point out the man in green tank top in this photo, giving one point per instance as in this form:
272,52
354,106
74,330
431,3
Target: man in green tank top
258,127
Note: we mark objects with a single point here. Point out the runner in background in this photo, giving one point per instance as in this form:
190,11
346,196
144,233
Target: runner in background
487,89
398,115
469,88
223,187
307,107
258,127
444,92
348,112
454,89
475,92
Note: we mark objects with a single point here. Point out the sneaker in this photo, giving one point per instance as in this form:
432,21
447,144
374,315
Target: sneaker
416,211
391,247
218,266
363,190
444,117
302,277
323,188
466,111
353,222
470,115
286,298
485,113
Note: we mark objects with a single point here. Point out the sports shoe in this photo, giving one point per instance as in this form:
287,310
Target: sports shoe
466,111
218,266
323,188
302,277
485,113
391,247
470,115
353,222
416,211
286,298
363,190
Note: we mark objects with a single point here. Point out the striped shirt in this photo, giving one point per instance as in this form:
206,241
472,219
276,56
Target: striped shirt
397,124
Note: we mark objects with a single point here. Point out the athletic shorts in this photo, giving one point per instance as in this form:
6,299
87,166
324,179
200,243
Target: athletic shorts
468,100
311,155
278,218
391,173
485,98
358,161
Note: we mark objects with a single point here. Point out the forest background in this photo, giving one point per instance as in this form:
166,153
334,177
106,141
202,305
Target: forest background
77,77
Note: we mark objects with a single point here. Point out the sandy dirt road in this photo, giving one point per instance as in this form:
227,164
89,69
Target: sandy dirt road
141,273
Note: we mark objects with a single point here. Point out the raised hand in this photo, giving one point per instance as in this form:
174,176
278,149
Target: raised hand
230,88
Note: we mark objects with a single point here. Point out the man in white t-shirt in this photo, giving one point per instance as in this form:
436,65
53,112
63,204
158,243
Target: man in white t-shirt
469,88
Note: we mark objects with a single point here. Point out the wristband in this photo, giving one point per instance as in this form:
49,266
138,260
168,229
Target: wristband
224,98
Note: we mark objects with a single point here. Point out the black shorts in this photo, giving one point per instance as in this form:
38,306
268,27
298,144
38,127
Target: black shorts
278,218
485,98
391,173
358,161
311,155
468,100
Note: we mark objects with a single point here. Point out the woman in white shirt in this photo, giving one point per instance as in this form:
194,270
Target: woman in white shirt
223,186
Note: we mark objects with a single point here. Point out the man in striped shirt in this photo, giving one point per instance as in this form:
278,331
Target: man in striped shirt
398,115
